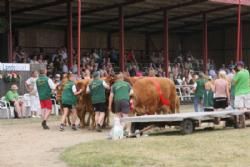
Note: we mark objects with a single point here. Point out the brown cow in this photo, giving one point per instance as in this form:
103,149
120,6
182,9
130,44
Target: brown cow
147,98
84,105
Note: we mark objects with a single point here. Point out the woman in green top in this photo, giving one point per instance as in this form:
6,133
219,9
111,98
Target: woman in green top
12,97
69,100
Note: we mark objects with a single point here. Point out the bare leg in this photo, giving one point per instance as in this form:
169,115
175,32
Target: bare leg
47,114
74,116
17,108
101,118
97,114
64,116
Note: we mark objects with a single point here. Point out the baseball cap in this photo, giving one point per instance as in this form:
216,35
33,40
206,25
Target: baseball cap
240,63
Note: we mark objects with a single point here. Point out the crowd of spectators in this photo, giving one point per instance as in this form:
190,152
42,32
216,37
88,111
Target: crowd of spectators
181,68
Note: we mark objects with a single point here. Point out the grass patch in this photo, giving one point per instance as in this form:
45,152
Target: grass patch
226,148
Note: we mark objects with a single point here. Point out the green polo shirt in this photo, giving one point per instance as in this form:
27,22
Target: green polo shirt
241,80
121,90
97,91
68,96
11,96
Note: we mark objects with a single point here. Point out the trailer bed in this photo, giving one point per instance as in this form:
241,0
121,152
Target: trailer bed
190,120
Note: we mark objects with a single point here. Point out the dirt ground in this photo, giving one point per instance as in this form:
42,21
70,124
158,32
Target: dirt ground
23,143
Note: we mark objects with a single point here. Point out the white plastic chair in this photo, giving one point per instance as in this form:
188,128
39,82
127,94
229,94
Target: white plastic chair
27,104
9,110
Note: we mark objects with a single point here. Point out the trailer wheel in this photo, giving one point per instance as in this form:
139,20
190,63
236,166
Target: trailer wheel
240,121
187,126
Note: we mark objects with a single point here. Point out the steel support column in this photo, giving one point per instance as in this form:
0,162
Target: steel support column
9,18
238,32
205,44
165,42
79,37
241,42
121,34
70,35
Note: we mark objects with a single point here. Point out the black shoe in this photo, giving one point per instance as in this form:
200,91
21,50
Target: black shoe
74,127
98,128
44,125
62,127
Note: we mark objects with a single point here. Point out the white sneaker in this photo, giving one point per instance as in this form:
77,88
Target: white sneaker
33,116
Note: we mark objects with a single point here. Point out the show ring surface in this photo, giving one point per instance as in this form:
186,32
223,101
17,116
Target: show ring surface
188,121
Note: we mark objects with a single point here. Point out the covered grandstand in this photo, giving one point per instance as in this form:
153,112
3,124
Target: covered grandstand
206,28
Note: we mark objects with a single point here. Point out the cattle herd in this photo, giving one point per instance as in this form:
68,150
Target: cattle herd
151,95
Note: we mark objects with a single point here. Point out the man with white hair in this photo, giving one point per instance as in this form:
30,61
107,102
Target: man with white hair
242,89
12,97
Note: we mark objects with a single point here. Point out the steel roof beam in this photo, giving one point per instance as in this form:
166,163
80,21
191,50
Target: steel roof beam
37,7
108,7
199,23
183,16
193,2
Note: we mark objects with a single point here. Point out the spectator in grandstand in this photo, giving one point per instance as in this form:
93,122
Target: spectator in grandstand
63,53
34,99
221,91
74,67
242,89
34,60
114,56
65,67
131,57
45,86
69,100
199,88
12,97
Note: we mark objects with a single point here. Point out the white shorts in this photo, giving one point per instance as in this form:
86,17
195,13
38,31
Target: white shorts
242,101
34,103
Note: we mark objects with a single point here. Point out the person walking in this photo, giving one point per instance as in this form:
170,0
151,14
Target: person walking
45,86
98,97
69,101
120,94
199,89
34,99
242,88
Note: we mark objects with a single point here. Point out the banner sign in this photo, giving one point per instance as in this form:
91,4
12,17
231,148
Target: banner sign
14,67
242,2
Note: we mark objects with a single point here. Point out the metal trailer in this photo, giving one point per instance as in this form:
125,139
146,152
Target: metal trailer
187,121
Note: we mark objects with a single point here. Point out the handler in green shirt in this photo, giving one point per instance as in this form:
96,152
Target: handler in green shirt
96,88
69,101
242,88
120,93
45,86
